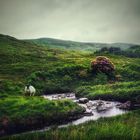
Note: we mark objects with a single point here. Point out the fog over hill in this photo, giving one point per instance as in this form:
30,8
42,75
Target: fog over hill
67,44
74,45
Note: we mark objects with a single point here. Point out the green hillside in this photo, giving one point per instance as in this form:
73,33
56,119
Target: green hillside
56,70
65,70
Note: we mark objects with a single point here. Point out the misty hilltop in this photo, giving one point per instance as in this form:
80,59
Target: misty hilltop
74,45
70,45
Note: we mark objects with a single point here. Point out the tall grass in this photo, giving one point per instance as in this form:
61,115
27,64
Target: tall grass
121,91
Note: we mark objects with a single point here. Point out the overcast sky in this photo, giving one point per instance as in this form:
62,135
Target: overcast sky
79,20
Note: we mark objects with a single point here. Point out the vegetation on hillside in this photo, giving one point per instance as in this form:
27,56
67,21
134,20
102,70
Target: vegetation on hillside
119,91
132,52
53,70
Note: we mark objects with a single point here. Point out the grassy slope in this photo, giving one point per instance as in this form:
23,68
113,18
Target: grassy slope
21,60
18,60
21,114
62,70
55,70
121,91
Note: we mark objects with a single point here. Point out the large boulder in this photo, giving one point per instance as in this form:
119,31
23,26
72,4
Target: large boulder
102,64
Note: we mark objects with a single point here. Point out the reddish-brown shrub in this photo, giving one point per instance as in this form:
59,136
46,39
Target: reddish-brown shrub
102,64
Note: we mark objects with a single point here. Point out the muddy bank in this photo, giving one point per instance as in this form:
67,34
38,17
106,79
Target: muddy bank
53,113
39,123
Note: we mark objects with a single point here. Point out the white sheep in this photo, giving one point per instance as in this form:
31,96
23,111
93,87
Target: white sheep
29,89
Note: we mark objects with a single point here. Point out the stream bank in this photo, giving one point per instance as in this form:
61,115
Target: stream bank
92,110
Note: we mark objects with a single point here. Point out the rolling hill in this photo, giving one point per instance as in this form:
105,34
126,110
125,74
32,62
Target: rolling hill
65,69
57,67
86,46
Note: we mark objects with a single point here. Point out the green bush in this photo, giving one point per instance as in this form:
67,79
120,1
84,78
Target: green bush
100,78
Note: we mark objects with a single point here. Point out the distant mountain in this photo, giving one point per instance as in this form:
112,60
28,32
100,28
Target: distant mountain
66,44
73,45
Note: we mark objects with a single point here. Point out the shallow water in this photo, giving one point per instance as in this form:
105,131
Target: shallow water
96,115
113,111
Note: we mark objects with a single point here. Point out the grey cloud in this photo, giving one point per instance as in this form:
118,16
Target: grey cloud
80,20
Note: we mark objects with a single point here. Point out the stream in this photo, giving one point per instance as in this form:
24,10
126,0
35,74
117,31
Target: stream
94,109
92,113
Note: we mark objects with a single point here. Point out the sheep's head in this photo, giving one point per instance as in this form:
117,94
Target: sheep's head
27,86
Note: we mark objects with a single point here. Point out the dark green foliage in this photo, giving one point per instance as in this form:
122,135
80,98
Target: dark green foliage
60,79
133,51
101,78
8,87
